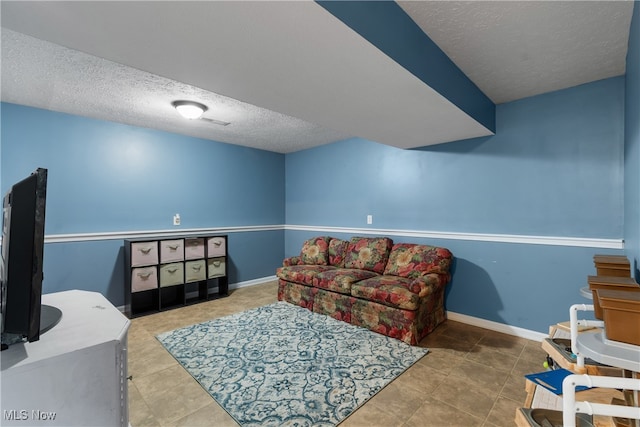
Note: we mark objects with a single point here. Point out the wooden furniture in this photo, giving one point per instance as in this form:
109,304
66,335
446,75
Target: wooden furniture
161,274
617,283
539,397
612,265
621,315
607,365
76,374
558,348
626,410
582,347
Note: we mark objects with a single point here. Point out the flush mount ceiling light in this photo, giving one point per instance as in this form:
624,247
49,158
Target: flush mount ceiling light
189,109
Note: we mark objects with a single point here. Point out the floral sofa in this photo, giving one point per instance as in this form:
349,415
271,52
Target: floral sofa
396,290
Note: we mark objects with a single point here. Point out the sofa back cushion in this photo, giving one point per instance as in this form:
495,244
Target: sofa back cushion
412,261
337,252
368,253
315,251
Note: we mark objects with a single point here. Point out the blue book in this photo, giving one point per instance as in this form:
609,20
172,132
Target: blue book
552,380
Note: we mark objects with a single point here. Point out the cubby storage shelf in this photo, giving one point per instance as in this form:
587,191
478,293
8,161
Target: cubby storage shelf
162,274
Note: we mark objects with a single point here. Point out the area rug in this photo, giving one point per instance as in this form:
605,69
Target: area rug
284,365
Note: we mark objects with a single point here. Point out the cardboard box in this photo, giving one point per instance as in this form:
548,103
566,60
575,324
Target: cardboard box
611,283
612,265
621,315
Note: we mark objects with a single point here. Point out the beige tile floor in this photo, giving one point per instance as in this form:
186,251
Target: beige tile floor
470,377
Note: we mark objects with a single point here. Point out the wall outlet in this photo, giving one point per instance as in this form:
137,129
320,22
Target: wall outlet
176,219
369,219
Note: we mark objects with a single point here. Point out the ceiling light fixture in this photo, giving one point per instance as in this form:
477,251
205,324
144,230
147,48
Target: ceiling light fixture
189,109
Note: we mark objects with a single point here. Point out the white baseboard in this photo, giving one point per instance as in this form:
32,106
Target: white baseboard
498,327
253,282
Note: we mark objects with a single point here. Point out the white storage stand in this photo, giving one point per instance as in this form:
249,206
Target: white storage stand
76,374
597,347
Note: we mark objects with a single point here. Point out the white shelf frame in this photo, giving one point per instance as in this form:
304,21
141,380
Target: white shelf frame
598,348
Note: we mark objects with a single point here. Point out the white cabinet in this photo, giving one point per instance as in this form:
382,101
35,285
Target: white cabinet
76,374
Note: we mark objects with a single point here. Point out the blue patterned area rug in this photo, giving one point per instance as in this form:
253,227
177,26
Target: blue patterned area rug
284,365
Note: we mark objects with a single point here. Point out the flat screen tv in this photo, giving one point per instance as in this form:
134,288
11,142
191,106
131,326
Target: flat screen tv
23,214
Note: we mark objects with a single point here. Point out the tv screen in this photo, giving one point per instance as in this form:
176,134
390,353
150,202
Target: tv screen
22,255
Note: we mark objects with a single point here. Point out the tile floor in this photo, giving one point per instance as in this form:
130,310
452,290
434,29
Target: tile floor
471,376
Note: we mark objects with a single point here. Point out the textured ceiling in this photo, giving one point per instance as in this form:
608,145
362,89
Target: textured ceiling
45,75
315,80
515,49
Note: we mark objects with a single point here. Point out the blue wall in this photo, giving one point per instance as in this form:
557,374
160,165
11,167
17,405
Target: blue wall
632,145
554,168
105,176
109,177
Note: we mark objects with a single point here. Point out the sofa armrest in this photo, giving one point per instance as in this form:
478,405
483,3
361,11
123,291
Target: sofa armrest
428,283
294,260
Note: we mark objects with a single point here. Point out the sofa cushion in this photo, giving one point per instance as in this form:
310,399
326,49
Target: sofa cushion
315,251
392,291
302,274
368,253
293,260
337,252
340,279
412,261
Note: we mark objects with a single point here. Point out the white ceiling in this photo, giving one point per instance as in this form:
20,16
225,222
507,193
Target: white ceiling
515,49
289,75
